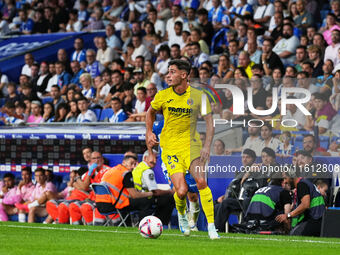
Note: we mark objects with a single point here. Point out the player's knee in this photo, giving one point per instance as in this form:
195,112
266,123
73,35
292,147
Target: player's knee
182,192
201,183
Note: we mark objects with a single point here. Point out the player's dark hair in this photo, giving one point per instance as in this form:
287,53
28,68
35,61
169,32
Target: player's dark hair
181,65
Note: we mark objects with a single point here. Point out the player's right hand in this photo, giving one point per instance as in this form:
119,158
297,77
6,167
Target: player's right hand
151,140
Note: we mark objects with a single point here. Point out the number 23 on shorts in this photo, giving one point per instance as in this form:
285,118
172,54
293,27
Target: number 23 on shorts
172,159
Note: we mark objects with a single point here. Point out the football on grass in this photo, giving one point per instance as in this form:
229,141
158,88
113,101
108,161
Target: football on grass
150,227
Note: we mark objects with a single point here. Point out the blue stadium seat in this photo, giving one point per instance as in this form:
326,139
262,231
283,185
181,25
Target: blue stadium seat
97,111
106,114
323,14
47,100
324,141
298,143
2,101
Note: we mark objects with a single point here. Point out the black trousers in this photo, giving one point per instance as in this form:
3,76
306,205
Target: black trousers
224,209
309,227
160,206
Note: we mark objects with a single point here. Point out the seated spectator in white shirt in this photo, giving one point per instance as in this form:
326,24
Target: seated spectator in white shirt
118,113
177,38
111,39
162,60
140,49
29,61
198,56
139,111
286,47
85,115
105,54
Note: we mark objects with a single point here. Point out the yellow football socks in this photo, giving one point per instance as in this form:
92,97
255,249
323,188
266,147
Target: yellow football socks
207,204
181,204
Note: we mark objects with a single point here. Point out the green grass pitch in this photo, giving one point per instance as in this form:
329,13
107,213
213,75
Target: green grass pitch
20,238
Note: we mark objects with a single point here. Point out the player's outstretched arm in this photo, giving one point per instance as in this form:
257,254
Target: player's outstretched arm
205,152
150,137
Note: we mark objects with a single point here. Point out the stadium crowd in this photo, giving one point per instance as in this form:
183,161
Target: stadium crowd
262,45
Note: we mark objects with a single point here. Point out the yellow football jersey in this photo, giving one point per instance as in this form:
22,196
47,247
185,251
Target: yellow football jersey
180,117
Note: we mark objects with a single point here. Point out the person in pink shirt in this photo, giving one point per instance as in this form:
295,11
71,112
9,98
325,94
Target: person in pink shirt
7,190
36,116
42,192
330,26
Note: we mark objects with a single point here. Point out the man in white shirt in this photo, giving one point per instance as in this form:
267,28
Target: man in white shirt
170,25
177,38
29,61
286,47
268,139
332,50
140,49
198,56
158,24
85,115
111,39
105,54
264,12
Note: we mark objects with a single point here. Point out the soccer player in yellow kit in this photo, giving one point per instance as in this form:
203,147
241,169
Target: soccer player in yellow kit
181,105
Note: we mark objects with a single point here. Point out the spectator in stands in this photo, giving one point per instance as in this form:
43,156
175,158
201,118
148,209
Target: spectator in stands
139,111
12,95
151,75
118,113
332,50
48,115
268,139
103,88
117,88
79,53
77,71
63,58
139,48
42,79
93,66
95,21
129,98
111,39
198,57
49,15
324,114
140,79
309,145
286,47
294,113
74,24
324,81
85,115
330,26
29,60
245,62
305,18
56,96
252,142
27,24
158,23
73,113
61,78
36,116
83,14
219,147
269,59
301,56
40,24
88,89
314,54
105,54
61,112
163,58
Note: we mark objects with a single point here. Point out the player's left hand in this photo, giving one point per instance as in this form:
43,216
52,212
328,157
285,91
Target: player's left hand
205,154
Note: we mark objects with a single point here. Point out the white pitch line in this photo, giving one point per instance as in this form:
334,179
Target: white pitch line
168,234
